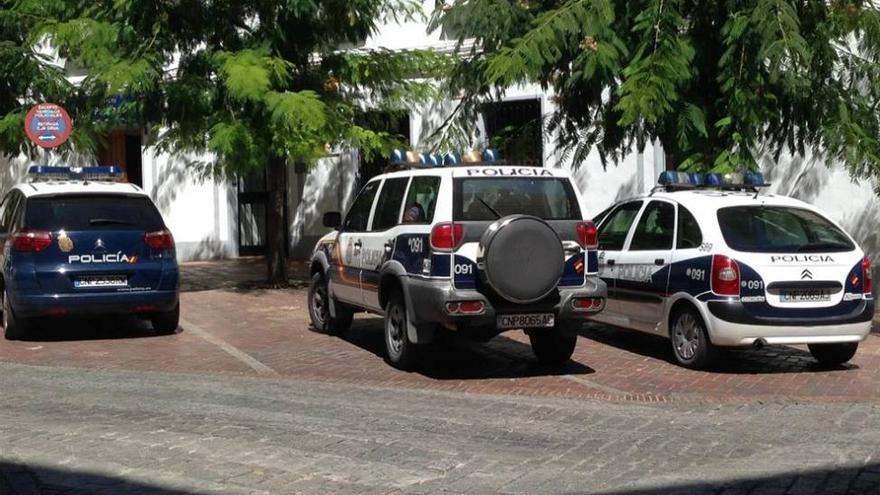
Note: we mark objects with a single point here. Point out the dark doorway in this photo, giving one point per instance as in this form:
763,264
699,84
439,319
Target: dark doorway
253,204
124,149
134,159
516,129
394,123
252,214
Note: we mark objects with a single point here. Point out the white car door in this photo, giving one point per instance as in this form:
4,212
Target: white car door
643,266
377,243
345,275
614,231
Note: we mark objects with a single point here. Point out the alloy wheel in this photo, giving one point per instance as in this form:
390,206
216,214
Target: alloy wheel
394,332
686,336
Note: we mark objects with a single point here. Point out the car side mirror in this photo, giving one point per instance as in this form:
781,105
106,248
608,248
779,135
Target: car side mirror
332,219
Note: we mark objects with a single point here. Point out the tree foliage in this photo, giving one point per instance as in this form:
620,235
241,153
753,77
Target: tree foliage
258,84
247,80
718,82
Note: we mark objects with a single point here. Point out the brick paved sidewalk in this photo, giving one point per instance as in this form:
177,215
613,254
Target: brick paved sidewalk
234,273
231,325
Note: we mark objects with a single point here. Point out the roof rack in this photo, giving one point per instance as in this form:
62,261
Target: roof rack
677,181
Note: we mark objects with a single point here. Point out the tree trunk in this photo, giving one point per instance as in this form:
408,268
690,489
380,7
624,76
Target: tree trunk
276,229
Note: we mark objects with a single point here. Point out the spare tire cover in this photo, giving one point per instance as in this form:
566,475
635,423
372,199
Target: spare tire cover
522,258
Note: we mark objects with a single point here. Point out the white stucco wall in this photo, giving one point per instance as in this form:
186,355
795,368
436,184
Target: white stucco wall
200,212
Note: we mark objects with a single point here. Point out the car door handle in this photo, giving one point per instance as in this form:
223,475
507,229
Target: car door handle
659,261
357,244
609,262
389,247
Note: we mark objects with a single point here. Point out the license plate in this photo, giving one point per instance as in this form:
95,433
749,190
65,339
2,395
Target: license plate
540,320
804,295
100,281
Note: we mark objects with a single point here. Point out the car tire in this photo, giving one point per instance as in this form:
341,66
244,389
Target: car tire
14,328
319,309
833,354
399,351
555,346
690,340
167,322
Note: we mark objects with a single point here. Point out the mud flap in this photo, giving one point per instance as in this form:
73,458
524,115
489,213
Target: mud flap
417,334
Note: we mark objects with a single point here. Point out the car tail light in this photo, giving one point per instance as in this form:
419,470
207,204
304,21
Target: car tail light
588,234
471,307
31,241
868,283
161,239
588,304
446,236
465,307
725,276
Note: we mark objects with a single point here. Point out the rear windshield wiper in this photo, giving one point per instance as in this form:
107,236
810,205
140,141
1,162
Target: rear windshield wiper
823,246
493,210
108,221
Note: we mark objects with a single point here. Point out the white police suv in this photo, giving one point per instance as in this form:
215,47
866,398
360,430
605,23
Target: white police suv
75,242
709,262
477,247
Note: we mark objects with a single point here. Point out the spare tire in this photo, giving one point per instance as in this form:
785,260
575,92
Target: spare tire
521,258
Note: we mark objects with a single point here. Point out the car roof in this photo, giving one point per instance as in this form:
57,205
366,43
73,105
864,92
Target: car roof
712,199
54,188
481,170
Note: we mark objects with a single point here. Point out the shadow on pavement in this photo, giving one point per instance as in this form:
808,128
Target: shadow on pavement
18,479
452,357
768,360
854,480
244,274
76,329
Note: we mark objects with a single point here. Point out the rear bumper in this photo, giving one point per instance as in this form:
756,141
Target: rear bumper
730,324
428,300
152,301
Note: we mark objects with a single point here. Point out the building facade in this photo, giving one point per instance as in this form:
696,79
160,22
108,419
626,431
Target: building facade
212,218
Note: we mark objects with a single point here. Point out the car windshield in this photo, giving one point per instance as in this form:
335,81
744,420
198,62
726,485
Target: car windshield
492,198
92,212
780,229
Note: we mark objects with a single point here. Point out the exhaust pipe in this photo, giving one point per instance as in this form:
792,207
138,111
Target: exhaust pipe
759,344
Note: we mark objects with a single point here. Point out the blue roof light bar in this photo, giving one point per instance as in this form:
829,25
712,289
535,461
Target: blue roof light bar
402,157
687,180
55,173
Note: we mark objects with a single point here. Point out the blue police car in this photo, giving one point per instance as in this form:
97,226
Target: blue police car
77,243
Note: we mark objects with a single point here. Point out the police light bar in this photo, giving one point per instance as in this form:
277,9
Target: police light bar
48,173
686,180
453,158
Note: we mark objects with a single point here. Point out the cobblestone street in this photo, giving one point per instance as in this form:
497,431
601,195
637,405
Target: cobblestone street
247,399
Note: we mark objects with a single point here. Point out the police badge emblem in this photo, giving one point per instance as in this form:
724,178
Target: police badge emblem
65,243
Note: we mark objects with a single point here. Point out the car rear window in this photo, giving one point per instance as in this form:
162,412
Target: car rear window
780,229
491,198
92,212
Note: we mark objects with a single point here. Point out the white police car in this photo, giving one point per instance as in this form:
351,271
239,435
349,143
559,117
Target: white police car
77,243
709,262
478,247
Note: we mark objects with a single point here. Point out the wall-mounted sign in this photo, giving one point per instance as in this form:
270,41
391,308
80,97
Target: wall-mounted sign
47,125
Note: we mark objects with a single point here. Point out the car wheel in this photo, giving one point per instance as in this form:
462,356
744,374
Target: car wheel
399,351
319,309
690,340
167,322
555,346
833,354
14,328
